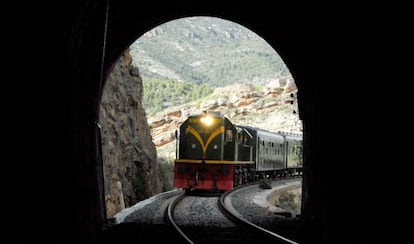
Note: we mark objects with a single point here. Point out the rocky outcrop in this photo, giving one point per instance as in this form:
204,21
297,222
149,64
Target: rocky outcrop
129,155
272,107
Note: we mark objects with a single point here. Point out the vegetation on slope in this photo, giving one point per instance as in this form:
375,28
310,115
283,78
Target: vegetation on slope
160,94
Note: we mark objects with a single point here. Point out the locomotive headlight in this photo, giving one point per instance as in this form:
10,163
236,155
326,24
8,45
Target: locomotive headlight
207,120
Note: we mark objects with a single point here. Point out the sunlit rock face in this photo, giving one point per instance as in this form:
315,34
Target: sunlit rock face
129,155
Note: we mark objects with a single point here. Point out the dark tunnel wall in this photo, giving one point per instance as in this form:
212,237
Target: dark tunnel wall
350,66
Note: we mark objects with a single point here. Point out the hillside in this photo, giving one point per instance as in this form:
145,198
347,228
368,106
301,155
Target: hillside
160,94
206,50
204,63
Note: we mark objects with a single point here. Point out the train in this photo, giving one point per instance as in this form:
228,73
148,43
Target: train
214,154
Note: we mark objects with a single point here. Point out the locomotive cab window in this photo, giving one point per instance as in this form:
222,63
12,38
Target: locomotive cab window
229,135
245,140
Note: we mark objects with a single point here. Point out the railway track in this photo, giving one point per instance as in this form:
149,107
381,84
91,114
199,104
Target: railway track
191,218
222,225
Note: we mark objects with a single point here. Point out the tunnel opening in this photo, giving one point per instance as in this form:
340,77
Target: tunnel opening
255,89
351,65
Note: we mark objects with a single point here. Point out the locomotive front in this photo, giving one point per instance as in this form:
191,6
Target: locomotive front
205,153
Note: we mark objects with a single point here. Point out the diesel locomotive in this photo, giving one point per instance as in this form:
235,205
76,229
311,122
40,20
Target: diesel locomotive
215,154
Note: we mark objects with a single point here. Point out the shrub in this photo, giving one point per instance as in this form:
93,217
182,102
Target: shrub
265,183
167,173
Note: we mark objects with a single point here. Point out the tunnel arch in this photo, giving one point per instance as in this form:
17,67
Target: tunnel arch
280,70
57,131
104,31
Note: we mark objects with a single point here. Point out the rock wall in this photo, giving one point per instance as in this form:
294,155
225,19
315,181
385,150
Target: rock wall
129,155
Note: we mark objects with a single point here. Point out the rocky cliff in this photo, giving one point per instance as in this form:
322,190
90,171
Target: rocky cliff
131,171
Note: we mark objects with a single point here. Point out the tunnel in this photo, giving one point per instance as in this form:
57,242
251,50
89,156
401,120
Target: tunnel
349,64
